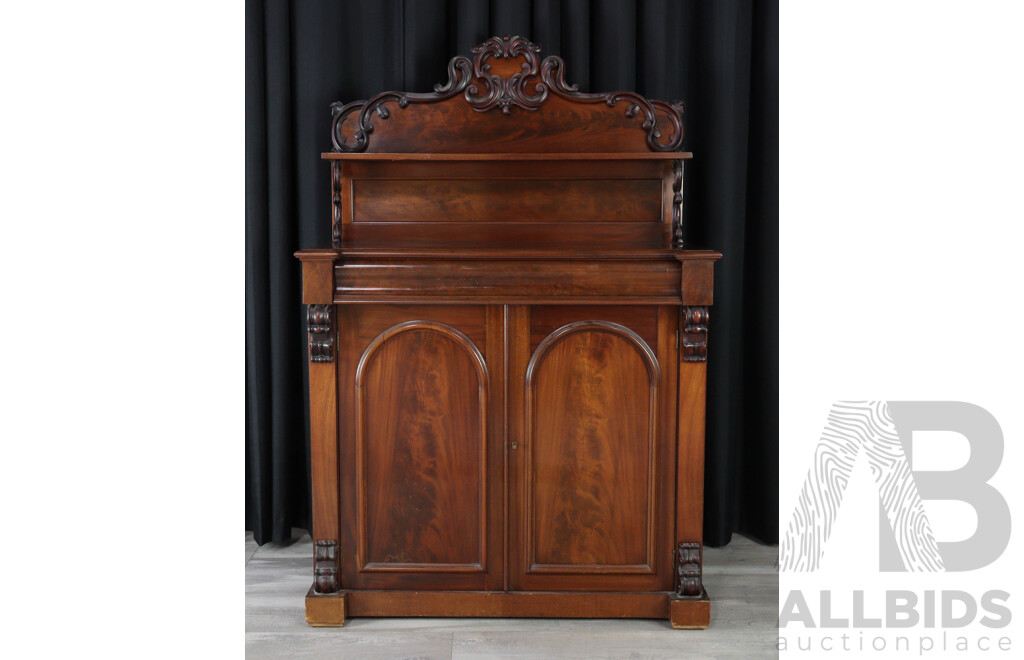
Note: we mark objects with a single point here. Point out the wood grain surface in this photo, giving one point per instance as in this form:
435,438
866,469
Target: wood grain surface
592,395
506,405
421,406
506,200
420,458
586,402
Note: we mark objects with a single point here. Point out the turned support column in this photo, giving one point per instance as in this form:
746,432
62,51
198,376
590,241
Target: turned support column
336,205
677,204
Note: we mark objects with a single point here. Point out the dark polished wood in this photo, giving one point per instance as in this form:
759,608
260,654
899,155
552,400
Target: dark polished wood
695,334
541,234
421,469
688,569
337,207
584,510
419,386
325,567
538,203
506,73
574,156
586,471
332,609
507,347
320,326
416,280
553,604
515,200
677,204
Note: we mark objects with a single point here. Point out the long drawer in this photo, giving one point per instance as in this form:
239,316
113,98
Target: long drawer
626,281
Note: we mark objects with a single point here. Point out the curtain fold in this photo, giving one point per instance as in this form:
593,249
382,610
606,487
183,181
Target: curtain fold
721,58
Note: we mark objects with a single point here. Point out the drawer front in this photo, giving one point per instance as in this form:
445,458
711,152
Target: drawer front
511,281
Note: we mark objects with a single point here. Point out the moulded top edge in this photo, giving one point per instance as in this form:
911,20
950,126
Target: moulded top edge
654,155
511,254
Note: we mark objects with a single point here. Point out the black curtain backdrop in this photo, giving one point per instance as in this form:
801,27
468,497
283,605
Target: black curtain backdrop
719,56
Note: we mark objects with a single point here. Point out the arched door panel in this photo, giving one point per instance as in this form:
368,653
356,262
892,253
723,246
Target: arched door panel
419,458
591,445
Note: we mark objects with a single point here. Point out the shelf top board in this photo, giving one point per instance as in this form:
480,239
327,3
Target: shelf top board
654,155
509,252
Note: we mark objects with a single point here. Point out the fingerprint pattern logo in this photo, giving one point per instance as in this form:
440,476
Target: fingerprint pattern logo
853,426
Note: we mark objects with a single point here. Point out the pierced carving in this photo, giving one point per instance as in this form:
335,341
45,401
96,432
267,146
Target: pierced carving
688,569
501,92
459,73
552,71
527,90
336,203
320,324
695,334
677,204
326,576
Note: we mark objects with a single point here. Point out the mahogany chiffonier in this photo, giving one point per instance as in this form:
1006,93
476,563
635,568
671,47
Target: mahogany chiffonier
507,347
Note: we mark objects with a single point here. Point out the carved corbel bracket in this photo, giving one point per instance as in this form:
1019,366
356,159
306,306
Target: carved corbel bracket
688,569
326,576
320,324
695,334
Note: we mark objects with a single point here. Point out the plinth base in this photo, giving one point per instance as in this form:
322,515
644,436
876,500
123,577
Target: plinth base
682,613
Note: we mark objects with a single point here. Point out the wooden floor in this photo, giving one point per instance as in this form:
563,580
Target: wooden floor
742,579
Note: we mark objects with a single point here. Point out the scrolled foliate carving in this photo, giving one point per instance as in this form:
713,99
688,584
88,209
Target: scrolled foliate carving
505,92
459,74
326,578
320,325
688,569
552,73
695,334
527,89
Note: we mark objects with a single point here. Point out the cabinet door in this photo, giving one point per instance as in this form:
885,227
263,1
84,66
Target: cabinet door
591,423
421,453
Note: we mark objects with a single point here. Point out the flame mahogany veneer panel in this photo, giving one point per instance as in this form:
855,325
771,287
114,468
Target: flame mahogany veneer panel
592,410
604,202
419,406
455,235
506,200
421,436
592,394
641,319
